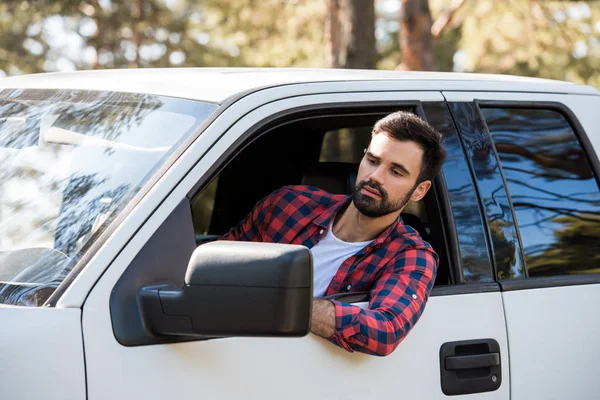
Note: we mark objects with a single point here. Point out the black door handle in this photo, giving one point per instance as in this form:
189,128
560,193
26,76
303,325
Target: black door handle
470,366
472,361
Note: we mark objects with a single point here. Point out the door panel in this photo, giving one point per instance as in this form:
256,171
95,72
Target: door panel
289,368
553,335
280,367
41,354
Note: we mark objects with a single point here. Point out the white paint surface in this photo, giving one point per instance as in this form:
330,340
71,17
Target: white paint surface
309,367
219,84
41,354
554,342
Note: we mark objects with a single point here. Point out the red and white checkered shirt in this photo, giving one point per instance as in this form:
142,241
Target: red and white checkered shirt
398,268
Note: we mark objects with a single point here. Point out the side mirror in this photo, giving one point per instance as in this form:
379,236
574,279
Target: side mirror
235,289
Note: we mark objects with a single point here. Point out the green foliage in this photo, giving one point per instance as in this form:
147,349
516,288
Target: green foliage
39,36
551,39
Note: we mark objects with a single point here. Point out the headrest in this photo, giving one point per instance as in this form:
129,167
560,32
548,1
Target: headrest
333,177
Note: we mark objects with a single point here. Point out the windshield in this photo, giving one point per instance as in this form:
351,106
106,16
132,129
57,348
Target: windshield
69,162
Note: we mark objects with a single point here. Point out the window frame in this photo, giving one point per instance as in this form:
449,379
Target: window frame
295,114
525,283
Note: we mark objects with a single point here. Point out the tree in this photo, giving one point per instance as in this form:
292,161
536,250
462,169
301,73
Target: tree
37,36
416,40
350,31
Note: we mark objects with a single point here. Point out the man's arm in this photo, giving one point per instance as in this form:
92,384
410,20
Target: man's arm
323,318
397,301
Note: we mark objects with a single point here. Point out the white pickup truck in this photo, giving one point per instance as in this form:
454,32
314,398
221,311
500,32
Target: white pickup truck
110,180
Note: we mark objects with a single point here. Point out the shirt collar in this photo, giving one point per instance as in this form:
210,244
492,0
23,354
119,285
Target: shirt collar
324,219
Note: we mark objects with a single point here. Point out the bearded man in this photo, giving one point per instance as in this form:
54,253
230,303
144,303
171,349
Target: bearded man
359,242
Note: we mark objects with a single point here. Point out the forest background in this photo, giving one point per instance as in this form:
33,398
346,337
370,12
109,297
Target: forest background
556,39
551,39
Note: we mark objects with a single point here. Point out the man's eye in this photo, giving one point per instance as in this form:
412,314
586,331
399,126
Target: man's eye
396,172
371,161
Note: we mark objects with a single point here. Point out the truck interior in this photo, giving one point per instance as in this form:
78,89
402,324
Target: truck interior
320,149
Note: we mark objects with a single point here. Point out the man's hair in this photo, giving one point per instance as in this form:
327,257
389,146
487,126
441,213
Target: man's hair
407,127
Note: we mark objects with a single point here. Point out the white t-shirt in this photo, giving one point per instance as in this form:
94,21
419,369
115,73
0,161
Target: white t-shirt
328,256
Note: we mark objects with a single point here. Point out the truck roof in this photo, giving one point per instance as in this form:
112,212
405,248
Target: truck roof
219,84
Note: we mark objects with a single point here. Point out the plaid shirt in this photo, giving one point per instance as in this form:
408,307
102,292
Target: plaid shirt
398,267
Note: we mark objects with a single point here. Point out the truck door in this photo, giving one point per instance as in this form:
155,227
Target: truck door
458,348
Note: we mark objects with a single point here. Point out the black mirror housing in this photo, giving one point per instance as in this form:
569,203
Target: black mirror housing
235,289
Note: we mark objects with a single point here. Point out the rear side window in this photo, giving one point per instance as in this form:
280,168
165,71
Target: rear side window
552,188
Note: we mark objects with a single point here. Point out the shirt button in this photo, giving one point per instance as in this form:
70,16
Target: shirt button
348,287
414,296
321,231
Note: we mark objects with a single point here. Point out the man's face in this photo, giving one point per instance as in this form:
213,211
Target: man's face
387,176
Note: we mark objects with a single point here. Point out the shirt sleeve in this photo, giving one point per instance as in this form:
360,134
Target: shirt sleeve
396,302
250,229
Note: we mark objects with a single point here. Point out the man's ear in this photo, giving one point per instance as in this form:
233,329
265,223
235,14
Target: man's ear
421,191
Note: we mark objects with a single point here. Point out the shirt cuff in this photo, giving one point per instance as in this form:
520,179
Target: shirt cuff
347,326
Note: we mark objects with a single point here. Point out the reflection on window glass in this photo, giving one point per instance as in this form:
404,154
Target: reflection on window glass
553,190
476,264
69,162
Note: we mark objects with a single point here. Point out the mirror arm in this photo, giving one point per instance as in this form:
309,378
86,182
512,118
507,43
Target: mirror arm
158,323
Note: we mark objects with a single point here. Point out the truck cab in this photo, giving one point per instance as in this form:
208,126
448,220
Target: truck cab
116,185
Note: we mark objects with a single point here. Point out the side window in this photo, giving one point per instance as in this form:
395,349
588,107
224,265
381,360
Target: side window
345,145
553,190
327,156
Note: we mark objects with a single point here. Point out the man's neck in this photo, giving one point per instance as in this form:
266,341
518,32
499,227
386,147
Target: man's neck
352,226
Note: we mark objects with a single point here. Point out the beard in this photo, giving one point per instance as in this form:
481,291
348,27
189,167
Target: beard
375,208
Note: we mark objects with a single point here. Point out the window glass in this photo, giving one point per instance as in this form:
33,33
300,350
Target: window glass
552,187
484,165
476,265
69,162
262,167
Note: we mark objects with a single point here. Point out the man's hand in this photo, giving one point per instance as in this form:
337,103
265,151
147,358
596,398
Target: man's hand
323,318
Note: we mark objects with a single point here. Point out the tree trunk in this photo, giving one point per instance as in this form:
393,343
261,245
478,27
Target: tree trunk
351,34
416,41
333,33
359,16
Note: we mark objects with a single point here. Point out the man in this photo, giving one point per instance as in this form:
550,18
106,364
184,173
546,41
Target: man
359,242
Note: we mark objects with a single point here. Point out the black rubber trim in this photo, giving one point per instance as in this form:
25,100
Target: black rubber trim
446,217
578,129
486,227
465,288
294,115
162,260
448,229
549,282
353,297
505,184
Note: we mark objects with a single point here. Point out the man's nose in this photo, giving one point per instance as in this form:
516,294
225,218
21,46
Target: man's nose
377,175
